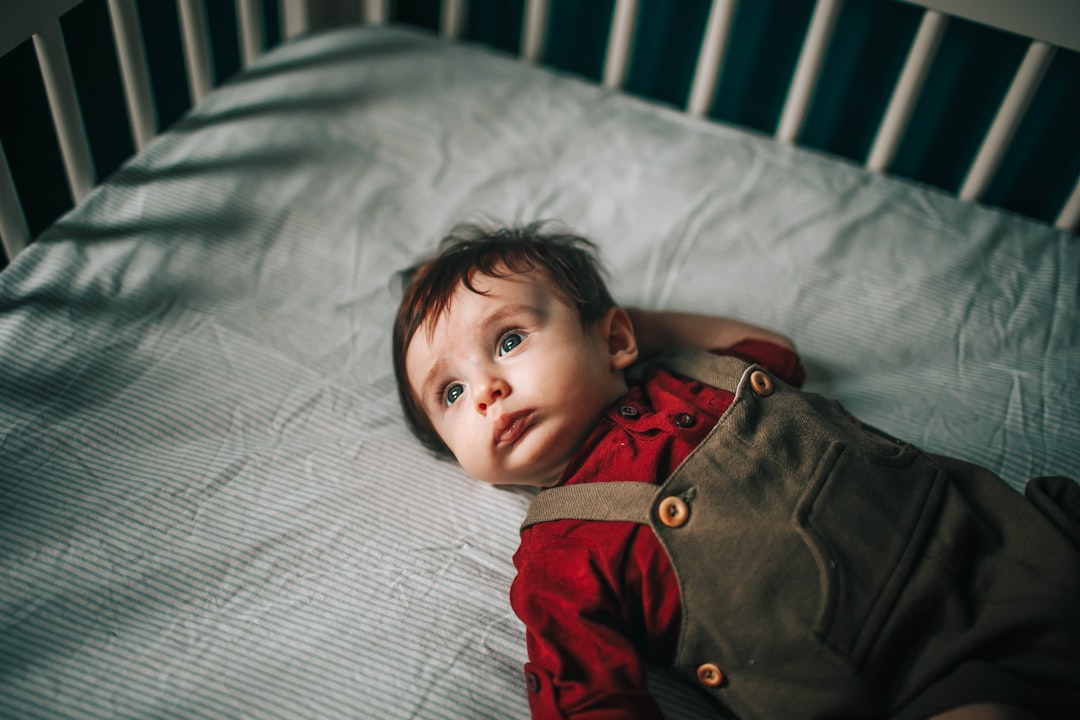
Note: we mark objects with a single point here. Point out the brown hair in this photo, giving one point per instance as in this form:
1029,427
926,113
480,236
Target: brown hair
569,261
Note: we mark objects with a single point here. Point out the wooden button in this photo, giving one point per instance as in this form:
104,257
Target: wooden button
673,512
761,383
710,675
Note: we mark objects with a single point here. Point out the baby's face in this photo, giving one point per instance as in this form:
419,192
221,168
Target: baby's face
511,381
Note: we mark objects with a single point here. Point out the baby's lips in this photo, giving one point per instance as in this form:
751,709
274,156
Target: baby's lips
509,427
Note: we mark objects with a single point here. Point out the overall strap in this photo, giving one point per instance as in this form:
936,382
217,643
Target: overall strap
720,371
612,501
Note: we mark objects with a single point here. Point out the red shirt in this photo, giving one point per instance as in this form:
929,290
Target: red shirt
599,599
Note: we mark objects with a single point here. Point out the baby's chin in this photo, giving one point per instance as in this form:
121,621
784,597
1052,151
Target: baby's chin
539,474
529,469
539,460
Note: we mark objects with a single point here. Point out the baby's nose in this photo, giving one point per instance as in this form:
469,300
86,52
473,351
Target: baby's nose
495,393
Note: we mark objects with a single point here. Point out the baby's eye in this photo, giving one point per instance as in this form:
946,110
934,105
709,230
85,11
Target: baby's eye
509,342
453,392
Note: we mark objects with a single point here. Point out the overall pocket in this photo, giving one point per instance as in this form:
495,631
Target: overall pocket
864,516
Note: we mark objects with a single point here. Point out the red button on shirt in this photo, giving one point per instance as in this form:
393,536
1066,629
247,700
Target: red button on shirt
600,598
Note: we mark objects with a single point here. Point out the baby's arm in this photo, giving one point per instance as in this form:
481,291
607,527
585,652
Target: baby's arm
660,331
582,662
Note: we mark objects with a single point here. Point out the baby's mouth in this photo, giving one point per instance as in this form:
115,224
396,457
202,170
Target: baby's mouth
509,428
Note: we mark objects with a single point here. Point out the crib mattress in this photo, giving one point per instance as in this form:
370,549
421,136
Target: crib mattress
209,503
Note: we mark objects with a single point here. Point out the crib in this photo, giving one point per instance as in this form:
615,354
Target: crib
209,503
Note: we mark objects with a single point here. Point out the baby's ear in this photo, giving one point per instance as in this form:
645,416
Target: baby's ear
618,332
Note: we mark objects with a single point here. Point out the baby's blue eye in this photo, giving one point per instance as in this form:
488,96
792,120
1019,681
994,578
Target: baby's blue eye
454,392
509,342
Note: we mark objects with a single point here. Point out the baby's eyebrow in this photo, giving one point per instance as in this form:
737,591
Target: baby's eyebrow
506,312
429,380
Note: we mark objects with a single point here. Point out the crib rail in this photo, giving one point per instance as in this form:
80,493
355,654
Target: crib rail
40,20
1045,21
1050,24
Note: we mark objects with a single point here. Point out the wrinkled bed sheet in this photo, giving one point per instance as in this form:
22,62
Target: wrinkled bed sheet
209,505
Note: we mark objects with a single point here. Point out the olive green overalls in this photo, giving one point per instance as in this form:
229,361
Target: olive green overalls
828,570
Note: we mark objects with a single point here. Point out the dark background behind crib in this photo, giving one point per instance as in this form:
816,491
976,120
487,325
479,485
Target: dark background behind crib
970,76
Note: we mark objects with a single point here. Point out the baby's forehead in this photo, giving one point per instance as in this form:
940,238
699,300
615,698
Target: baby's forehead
530,287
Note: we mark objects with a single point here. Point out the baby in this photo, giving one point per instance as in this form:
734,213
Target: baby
698,510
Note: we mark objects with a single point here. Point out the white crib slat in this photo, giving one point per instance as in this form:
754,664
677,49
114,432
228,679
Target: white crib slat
295,18
711,55
64,103
620,40
251,29
452,22
808,69
196,48
906,93
534,33
376,12
1021,91
14,231
131,54
1069,217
